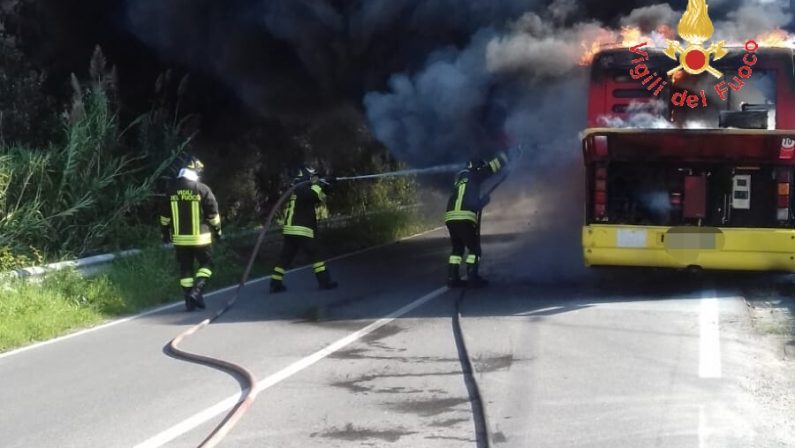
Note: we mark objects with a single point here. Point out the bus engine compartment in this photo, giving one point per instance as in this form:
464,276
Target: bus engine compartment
712,178
669,194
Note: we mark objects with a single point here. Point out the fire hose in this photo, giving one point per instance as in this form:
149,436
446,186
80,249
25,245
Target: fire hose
250,392
482,430
250,381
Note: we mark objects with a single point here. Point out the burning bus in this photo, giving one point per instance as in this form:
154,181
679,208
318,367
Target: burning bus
695,172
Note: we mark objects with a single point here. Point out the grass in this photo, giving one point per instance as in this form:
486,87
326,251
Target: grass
65,301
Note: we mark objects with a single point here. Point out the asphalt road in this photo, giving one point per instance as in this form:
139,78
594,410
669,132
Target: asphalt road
562,357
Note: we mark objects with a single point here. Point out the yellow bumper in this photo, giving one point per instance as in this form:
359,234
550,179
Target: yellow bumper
681,247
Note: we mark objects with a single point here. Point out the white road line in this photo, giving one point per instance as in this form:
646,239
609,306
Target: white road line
223,406
702,427
113,323
709,361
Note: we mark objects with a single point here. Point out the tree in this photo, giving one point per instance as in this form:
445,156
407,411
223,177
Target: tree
25,111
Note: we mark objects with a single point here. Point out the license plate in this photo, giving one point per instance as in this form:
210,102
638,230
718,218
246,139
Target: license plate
632,238
691,241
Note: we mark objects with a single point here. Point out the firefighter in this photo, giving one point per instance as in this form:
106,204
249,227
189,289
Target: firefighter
300,227
463,219
191,221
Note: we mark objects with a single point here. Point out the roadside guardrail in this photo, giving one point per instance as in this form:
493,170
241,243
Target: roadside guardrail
96,264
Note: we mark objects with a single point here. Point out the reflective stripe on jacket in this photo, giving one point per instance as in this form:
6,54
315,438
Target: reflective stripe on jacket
191,213
300,216
465,203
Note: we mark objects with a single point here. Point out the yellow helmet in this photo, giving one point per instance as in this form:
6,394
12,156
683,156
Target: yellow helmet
195,165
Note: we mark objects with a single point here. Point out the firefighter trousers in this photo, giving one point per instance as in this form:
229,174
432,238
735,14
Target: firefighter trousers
187,257
292,245
464,236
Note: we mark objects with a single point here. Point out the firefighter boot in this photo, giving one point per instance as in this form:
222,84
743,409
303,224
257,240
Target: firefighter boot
189,305
324,280
454,276
277,280
197,293
474,280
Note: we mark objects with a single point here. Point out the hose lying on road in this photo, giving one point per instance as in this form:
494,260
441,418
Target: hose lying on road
249,393
249,380
482,431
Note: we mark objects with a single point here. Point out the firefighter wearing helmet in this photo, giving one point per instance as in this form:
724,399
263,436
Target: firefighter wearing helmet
300,228
463,219
190,220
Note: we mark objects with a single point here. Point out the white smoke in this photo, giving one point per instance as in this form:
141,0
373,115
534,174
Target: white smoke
561,10
650,18
751,19
657,202
640,116
538,51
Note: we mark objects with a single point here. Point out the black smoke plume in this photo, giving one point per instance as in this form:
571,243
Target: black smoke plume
438,80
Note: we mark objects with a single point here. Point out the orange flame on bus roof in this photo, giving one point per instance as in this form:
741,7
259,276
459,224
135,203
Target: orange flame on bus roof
589,52
628,36
605,39
777,39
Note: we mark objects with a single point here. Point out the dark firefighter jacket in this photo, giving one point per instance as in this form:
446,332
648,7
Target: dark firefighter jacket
465,202
191,215
300,218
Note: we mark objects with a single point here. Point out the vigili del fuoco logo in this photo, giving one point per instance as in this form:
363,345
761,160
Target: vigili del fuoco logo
695,28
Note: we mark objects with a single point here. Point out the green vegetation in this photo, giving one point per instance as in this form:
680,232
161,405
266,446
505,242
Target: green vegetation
83,192
65,301
86,181
93,190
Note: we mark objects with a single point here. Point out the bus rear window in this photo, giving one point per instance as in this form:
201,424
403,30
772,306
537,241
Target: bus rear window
756,97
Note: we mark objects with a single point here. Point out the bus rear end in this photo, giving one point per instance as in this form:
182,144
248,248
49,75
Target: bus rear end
707,188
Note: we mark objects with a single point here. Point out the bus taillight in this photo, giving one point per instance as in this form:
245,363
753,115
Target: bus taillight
600,193
784,178
600,146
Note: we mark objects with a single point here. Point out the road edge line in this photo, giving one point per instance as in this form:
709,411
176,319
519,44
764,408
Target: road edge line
161,308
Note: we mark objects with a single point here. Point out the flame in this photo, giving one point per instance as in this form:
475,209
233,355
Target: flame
630,35
677,76
604,39
627,36
589,52
776,38
696,26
